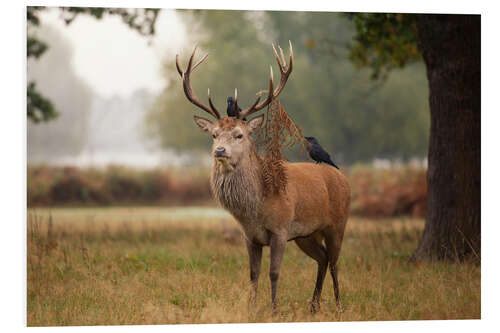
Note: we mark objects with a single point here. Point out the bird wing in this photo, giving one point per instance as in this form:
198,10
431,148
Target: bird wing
323,154
327,159
315,153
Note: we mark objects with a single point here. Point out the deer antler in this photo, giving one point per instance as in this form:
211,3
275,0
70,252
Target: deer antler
271,94
188,90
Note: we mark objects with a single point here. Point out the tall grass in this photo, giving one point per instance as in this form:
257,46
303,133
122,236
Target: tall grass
111,266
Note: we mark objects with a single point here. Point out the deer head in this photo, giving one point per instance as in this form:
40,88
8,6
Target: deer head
231,135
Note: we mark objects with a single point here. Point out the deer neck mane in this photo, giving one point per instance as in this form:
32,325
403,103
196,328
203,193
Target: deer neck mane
240,191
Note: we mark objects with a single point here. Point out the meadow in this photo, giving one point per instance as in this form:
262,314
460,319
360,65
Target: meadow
153,265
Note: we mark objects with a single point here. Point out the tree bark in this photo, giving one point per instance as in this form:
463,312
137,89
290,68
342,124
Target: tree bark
451,48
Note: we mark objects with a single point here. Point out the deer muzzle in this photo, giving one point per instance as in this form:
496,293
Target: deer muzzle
220,152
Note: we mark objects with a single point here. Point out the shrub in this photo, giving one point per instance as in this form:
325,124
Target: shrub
115,185
388,192
374,192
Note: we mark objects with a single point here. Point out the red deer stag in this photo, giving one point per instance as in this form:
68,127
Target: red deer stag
313,207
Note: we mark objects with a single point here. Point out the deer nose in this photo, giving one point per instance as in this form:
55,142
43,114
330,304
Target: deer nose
219,151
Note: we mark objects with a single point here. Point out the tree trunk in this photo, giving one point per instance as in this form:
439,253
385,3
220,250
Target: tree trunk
451,48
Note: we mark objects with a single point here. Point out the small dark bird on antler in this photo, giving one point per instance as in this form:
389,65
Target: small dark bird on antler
317,152
231,110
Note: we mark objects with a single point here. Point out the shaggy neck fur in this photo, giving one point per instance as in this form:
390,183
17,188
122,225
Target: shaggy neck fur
240,191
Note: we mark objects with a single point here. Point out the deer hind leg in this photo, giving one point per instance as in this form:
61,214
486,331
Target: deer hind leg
333,241
255,256
277,245
317,251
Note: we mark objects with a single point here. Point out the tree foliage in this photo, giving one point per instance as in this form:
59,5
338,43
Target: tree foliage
384,41
354,117
39,107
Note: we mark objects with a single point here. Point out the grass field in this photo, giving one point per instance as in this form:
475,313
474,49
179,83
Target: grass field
142,265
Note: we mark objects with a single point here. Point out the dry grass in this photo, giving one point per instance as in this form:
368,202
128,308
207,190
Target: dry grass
164,266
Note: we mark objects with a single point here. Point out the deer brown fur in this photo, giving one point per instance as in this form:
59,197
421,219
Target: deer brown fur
312,209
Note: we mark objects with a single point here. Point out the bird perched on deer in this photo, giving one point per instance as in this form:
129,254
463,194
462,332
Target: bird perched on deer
317,152
231,108
312,210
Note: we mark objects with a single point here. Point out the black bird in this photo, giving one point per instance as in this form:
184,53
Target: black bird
317,152
231,112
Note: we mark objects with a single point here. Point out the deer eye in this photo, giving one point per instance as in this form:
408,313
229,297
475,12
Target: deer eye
239,136
214,136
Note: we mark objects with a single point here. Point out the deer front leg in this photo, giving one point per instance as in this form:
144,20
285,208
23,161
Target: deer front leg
255,256
277,244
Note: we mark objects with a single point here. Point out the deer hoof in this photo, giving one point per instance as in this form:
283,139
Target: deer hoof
314,307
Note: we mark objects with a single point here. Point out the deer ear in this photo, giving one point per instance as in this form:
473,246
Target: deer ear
205,124
255,123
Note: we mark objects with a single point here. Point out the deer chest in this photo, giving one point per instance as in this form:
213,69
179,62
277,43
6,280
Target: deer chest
255,232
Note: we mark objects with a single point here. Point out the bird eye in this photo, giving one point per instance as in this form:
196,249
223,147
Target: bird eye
239,136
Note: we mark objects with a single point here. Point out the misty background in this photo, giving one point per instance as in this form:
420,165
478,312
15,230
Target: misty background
121,102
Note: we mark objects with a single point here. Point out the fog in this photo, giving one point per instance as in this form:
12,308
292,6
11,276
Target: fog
101,76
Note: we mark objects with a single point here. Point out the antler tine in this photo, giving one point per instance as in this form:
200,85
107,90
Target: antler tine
188,90
272,94
285,73
277,57
190,62
179,70
282,56
212,106
200,61
236,111
250,108
291,56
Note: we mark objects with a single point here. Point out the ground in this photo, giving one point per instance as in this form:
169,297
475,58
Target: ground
150,265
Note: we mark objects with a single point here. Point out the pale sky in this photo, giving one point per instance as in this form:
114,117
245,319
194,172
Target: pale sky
112,58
